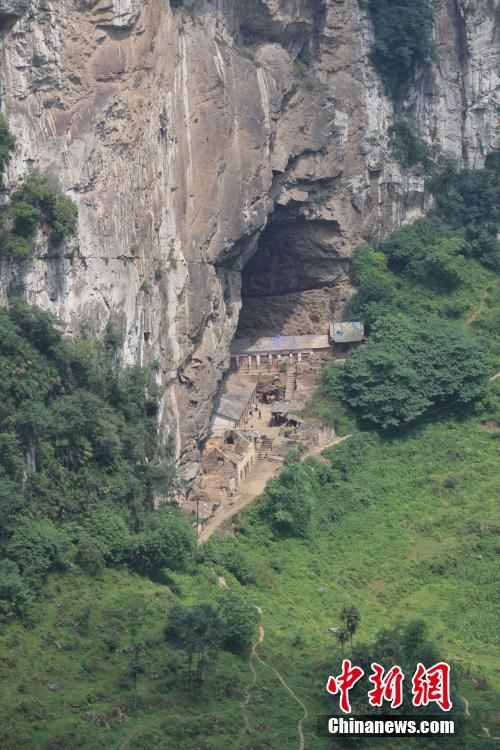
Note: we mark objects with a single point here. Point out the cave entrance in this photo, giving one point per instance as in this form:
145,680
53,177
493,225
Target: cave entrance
297,281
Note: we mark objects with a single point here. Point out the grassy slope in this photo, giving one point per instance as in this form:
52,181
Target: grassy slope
423,547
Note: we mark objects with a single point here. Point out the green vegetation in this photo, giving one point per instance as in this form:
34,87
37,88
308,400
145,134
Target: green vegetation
390,539
408,367
33,204
407,146
288,501
408,289
80,460
203,630
470,199
402,527
303,73
7,145
403,41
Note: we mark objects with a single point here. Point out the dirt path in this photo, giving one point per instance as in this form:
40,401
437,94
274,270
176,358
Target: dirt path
487,733
486,730
475,315
254,655
305,712
318,451
254,486
249,489
466,705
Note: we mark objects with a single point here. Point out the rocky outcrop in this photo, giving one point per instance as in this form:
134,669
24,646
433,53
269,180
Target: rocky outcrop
13,8
218,136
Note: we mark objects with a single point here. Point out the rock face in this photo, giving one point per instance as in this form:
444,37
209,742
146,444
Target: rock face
201,140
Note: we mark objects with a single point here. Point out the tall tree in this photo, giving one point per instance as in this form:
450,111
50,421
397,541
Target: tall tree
351,616
342,636
198,631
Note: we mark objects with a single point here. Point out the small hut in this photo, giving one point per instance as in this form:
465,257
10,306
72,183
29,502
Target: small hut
346,335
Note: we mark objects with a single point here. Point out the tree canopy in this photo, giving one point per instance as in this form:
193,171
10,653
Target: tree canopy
403,40
81,461
288,500
410,365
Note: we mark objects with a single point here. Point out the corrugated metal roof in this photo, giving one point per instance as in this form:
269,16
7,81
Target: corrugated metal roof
276,344
234,397
346,331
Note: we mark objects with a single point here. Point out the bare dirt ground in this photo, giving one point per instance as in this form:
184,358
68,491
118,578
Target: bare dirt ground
264,470
255,484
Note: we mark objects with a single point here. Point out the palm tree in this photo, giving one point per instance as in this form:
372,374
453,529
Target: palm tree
342,636
350,615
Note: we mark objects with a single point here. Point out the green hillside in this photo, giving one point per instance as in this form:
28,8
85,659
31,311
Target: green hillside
106,606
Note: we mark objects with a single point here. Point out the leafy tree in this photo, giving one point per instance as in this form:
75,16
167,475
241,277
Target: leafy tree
110,529
470,198
366,261
63,217
34,204
38,547
288,500
428,251
409,366
410,243
403,41
240,620
81,462
199,632
350,615
15,594
377,289
25,218
404,645
407,146
342,636
168,541
137,646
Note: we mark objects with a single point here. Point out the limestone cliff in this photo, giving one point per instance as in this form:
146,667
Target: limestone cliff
225,134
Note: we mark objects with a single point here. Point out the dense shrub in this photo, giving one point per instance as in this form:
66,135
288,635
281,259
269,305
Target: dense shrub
7,145
38,547
80,457
405,645
470,198
240,619
428,251
229,555
411,365
15,594
33,204
168,541
407,146
403,41
288,500
377,289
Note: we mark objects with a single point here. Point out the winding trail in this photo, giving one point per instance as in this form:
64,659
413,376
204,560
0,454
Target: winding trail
254,655
475,315
486,730
305,712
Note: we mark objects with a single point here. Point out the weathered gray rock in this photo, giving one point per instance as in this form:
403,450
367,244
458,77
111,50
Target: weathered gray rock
191,143
13,8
